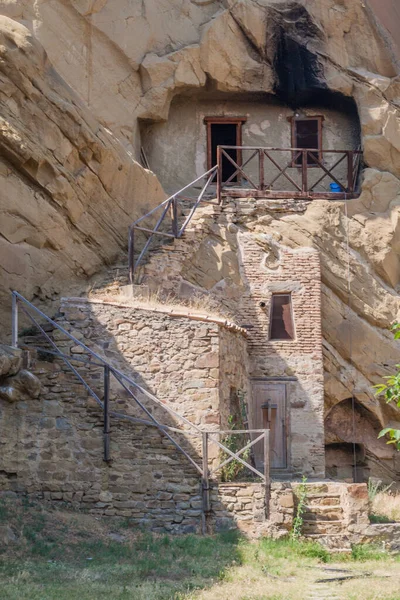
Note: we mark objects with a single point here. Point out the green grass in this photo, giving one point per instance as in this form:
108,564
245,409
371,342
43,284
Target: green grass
59,558
61,555
150,567
379,518
367,552
295,550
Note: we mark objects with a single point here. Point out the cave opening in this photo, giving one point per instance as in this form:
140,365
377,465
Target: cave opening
349,426
346,461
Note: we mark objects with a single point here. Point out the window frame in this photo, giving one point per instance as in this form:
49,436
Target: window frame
293,120
270,339
238,121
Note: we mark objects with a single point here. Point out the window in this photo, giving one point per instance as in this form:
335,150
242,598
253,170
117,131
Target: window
224,131
307,133
281,318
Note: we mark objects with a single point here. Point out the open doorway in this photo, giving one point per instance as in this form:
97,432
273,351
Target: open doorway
224,131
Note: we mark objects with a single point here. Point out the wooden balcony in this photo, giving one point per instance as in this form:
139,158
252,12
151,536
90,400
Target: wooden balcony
283,173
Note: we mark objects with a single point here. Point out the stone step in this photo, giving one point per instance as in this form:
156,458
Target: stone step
323,499
325,513
322,527
328,487
334,542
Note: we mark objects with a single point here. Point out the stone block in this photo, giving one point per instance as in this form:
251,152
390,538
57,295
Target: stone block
286,500
208,360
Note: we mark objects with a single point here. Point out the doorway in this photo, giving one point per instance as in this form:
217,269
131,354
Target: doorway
224,131
269,412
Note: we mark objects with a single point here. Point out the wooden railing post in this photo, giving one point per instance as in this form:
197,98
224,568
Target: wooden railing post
174,216
14,324
350,167
219,174
267,471
261,169
304,172
106,409
131,254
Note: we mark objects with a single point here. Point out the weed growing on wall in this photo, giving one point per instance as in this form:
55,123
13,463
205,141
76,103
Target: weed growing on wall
301,503
234,470
376,487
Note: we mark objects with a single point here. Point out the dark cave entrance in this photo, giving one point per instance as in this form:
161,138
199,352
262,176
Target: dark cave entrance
340,464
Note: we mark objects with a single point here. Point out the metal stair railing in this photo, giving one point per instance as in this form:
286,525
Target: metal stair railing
133,389
170,206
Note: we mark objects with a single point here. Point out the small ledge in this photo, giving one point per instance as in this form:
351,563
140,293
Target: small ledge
172,312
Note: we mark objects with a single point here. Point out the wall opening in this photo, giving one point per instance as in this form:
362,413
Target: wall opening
307,133
223,131
281,318
347,428
339,459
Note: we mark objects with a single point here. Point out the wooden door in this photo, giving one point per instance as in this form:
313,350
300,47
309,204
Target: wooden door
269,412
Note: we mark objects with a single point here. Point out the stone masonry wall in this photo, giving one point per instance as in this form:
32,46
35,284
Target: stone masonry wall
234,367
178,359
268,268
52,446
241,505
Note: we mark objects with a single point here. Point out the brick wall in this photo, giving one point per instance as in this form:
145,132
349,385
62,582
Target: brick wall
268,268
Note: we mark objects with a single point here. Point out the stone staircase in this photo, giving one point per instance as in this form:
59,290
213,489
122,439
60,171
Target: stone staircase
328,514
163,264
324,520
161,272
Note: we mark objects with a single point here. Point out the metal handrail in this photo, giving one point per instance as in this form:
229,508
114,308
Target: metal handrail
18,297
18,301
169,204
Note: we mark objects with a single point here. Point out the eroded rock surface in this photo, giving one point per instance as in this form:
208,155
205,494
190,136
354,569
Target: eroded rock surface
16,383
68,189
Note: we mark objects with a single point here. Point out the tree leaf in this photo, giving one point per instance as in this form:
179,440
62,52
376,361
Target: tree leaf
385,431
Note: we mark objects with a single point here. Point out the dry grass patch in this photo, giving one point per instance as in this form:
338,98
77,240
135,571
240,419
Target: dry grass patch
387,504
384,502
198,305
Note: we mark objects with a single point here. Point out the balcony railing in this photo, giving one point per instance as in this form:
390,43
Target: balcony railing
246,171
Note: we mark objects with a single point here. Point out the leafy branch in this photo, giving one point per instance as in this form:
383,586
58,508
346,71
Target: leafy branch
234,442
391,392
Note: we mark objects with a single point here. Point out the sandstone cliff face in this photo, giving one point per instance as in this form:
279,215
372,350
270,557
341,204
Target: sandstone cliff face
127,61
68,189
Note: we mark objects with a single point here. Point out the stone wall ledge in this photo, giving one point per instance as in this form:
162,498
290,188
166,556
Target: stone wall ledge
171,312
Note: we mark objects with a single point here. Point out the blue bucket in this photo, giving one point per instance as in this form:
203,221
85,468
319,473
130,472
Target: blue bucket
335,187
